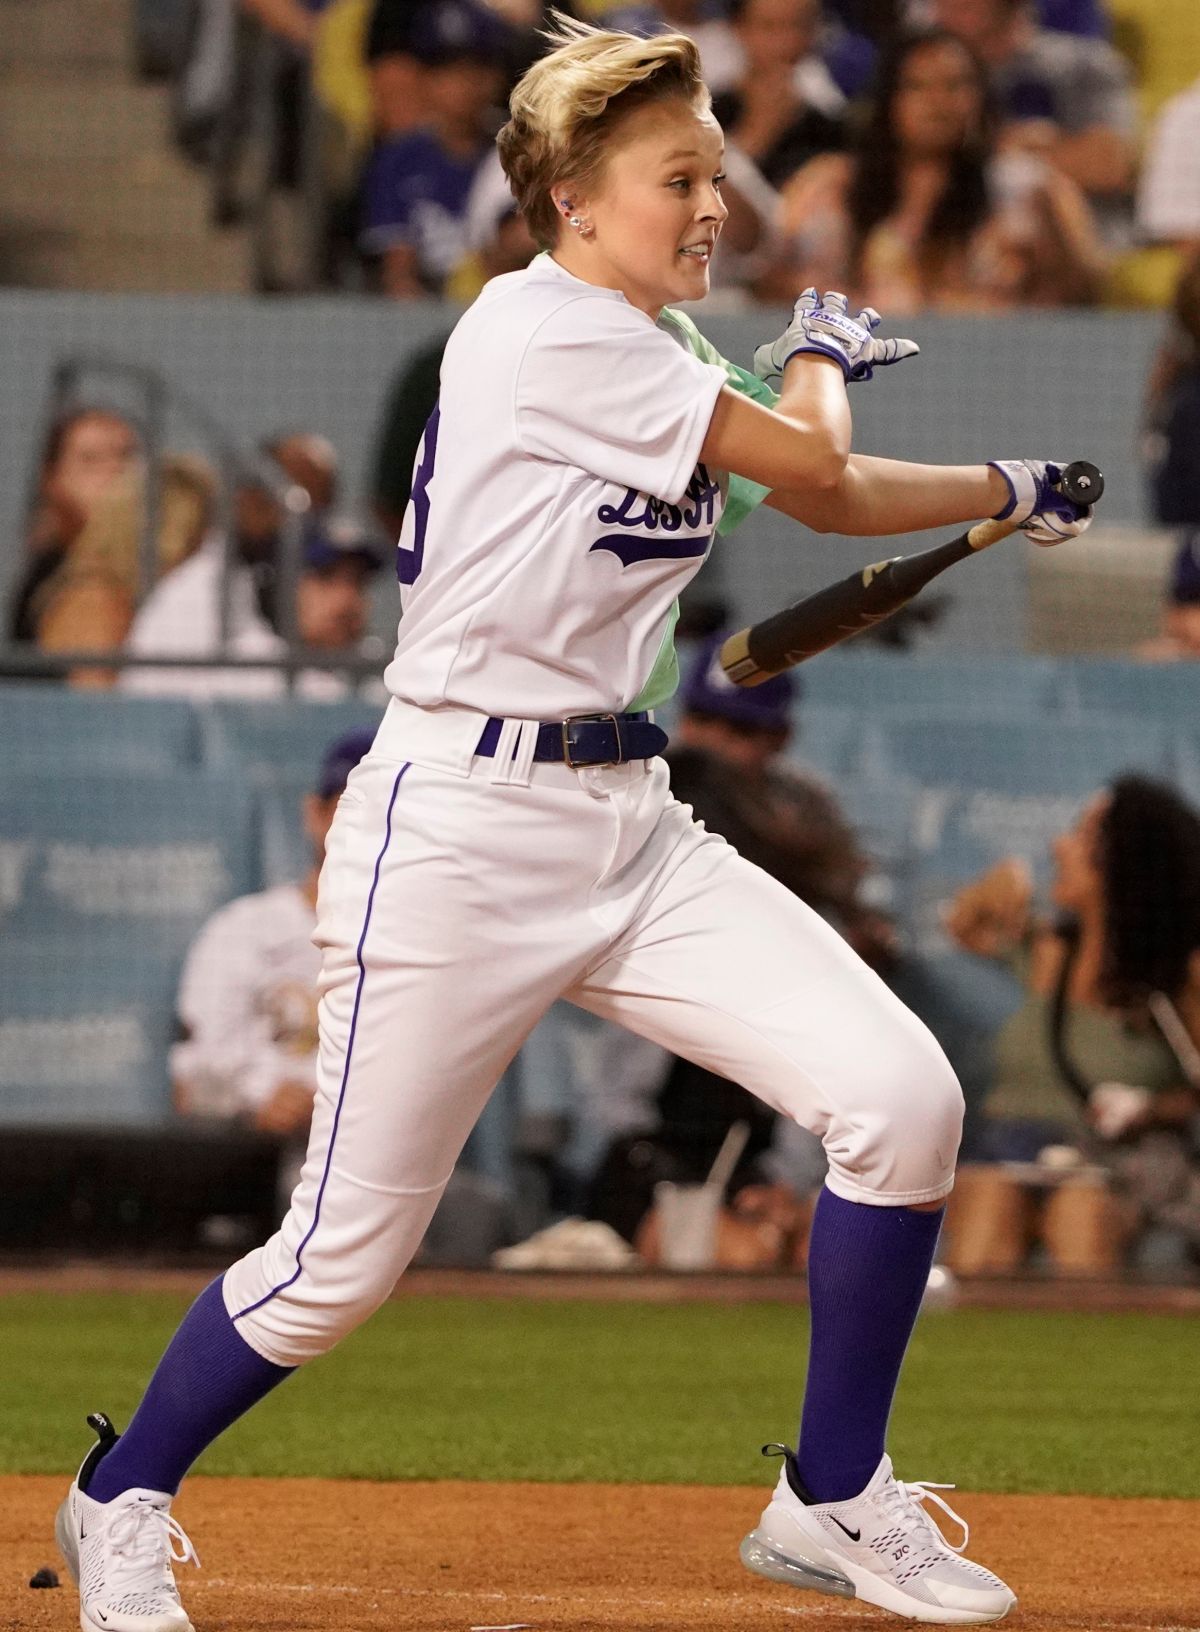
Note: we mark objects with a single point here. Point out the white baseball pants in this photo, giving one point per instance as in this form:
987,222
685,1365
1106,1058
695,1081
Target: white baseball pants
460,897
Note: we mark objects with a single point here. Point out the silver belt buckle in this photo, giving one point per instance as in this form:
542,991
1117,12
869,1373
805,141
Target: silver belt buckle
573,765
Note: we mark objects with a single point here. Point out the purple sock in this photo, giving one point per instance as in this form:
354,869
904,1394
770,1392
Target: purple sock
867,1268
208,1377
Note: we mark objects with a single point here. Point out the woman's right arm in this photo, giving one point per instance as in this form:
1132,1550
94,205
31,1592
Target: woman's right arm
808,449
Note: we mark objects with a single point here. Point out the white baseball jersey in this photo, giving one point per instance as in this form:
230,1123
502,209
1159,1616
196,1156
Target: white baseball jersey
248,1004
545,544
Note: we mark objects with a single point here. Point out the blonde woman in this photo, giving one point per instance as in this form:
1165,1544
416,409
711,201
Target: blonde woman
511,839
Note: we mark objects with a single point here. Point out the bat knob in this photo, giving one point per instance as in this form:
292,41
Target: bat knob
1081,482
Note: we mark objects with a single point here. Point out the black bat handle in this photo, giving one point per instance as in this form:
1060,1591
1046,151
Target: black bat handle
1081,482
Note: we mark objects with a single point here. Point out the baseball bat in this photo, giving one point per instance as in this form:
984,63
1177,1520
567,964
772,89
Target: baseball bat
865,598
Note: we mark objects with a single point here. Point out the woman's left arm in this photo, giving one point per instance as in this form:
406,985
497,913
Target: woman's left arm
879,496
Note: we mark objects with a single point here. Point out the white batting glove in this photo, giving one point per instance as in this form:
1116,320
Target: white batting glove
1045,516
820,324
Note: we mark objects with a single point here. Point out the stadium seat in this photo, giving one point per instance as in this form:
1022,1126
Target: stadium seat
85,1027
103,731
871,680
1034,758
265,737
150,854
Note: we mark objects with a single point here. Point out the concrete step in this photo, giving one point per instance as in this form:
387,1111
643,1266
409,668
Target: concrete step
54,260
64,34
158,196
45,116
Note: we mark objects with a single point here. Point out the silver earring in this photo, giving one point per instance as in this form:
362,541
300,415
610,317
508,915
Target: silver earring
577,222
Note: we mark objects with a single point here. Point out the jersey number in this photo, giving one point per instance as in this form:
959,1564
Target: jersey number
409,562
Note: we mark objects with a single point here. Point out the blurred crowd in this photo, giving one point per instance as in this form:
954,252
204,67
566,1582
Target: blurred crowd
168,560
1083,1135
165,562
967,155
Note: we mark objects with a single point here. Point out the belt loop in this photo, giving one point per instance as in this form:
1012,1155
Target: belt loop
527,739
513,759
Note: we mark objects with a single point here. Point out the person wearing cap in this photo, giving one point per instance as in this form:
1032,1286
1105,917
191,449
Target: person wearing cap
182,618
418,184
246,1021
726,763
247,1004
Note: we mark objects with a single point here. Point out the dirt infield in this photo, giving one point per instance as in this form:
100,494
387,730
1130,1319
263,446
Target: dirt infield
304,1555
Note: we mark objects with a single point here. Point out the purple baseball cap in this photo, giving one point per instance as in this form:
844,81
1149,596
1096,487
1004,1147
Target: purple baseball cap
1185,574
339,760
330,540
456,31
709,690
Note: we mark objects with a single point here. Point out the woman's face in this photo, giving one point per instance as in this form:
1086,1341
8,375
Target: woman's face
1078,881
775,32
938,105
96,450
656,211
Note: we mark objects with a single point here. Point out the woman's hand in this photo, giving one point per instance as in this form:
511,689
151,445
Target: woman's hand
992,915
821,324
1046,516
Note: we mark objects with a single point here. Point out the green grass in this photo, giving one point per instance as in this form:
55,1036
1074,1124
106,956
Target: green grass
487,1389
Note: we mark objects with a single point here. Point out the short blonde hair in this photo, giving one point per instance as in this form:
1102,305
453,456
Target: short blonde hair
564,108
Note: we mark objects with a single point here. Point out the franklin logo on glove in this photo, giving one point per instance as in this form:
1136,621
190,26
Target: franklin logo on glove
821,324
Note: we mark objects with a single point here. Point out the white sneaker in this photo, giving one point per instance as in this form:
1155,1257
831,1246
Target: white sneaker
881,1548
120,1553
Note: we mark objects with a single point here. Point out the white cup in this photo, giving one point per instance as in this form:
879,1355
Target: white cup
687,1224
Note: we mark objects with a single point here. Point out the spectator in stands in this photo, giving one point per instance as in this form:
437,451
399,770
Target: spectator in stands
89,600
86,450
247,1023
247,1007
925,213
1062,97
397,79
1168,200
785,106
417,185
182,618
726,762
1082,1061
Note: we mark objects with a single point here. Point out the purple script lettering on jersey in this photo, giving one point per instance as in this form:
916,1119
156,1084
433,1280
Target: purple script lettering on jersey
656,516
409,562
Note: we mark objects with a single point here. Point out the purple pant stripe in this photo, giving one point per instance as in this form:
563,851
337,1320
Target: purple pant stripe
337,1115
